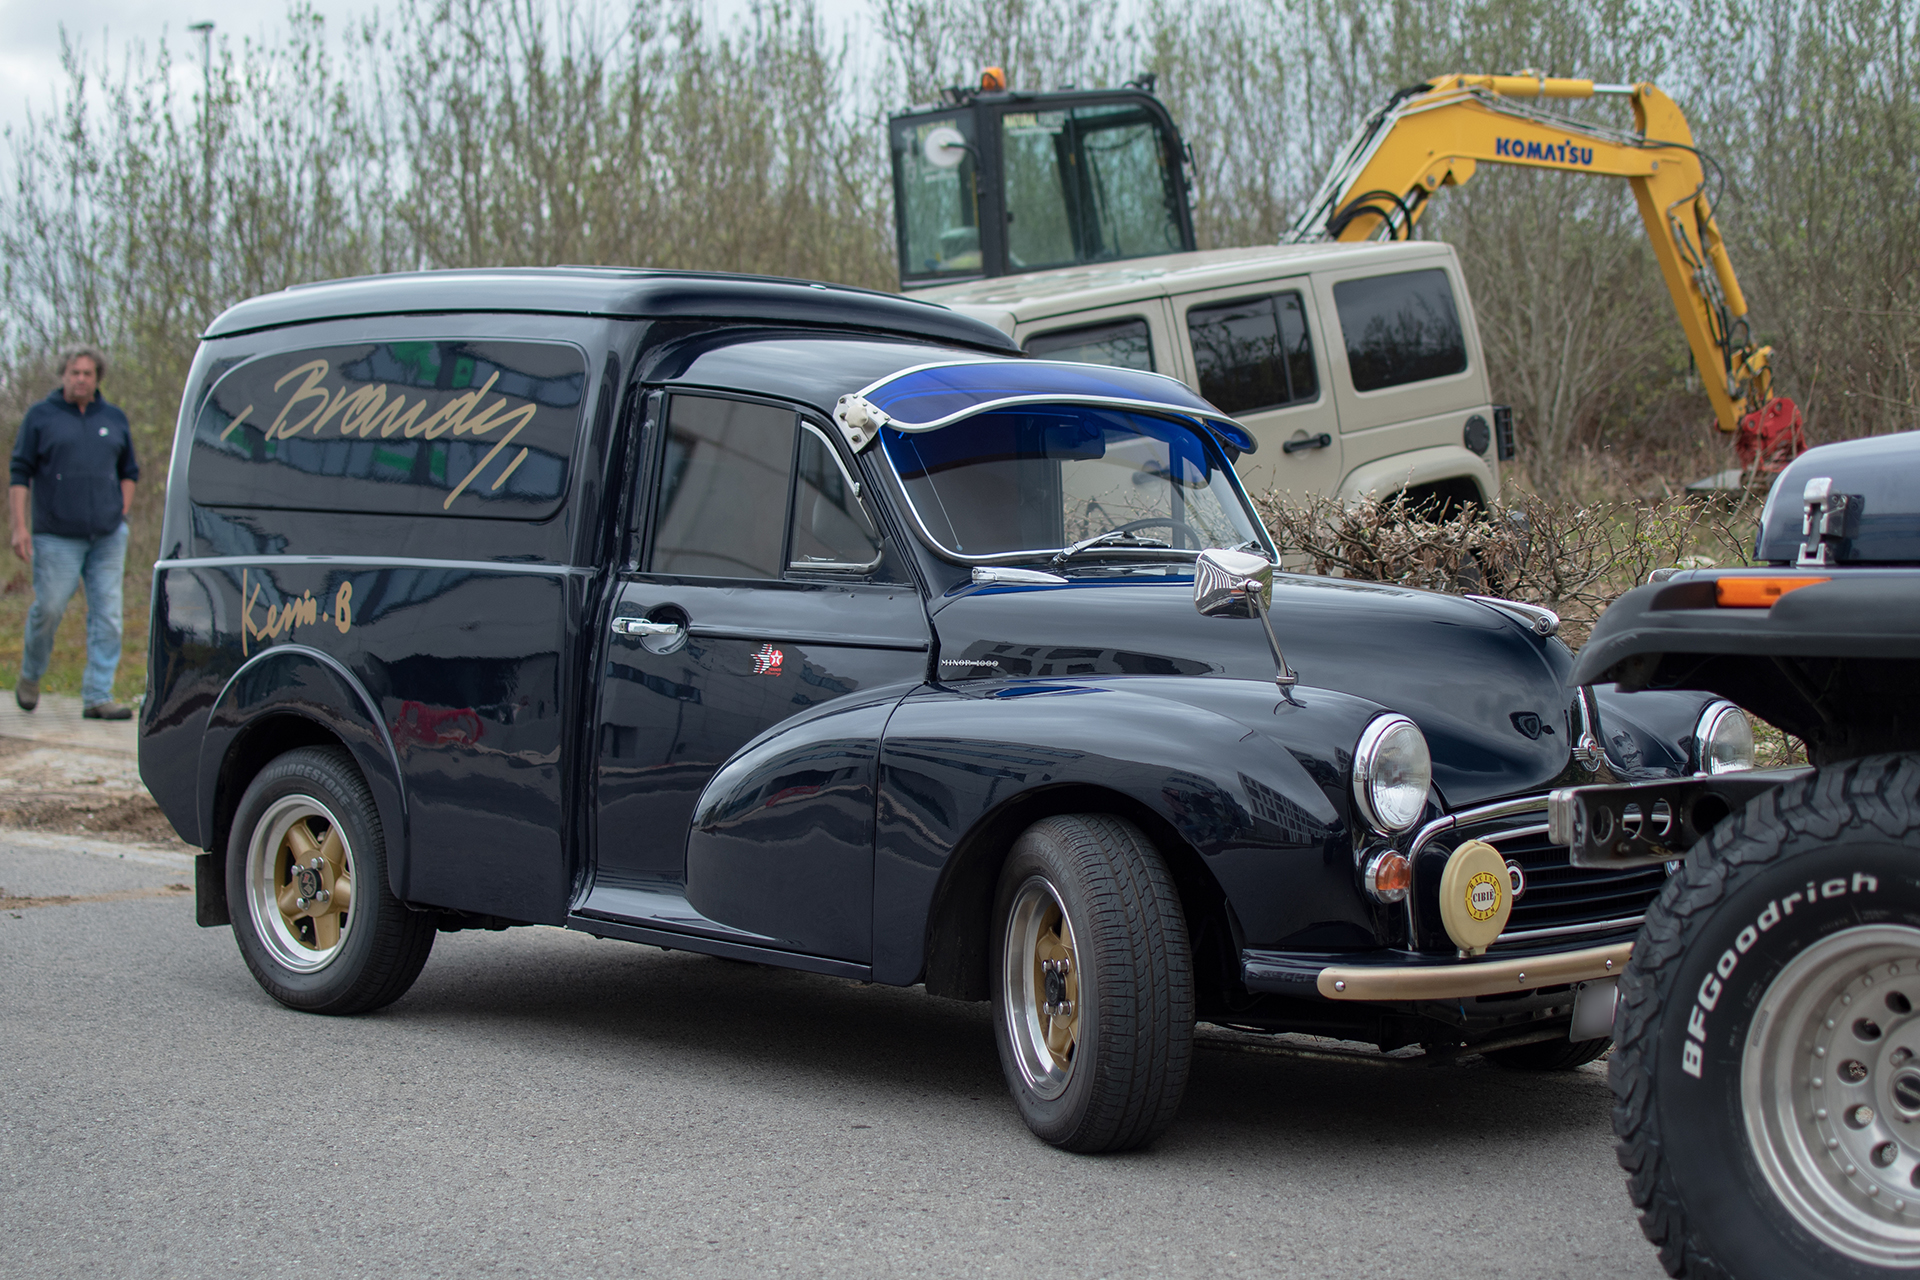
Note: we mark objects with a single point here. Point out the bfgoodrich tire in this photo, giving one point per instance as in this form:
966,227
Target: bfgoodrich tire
307,884
1093,984
1766,1078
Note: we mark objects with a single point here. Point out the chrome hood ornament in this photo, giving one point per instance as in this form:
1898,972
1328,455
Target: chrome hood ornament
1239,584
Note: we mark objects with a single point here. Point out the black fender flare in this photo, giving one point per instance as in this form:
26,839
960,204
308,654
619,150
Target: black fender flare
291,680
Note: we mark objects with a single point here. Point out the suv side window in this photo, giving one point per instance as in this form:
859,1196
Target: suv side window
723,489
830,528
1400,328
1253,353
1124,343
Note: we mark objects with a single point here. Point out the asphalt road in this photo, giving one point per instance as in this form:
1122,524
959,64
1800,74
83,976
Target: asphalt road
547,1104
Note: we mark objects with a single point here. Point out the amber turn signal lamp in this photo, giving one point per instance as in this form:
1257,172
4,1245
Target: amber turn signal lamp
1756,593
993,80
1389,875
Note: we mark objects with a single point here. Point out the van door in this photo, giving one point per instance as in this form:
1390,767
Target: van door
760,591
1255,353
1407,372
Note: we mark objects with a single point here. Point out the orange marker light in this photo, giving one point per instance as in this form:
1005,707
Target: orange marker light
993,80
1756,593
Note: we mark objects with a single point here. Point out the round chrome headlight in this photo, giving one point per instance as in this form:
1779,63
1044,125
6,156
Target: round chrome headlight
1724,738
1391,773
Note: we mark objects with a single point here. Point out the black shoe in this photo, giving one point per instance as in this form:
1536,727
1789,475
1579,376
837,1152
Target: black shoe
108,711
27,694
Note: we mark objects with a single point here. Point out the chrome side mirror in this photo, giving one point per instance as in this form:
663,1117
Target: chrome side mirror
1239,584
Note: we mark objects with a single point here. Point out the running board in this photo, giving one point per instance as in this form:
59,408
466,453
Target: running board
673,941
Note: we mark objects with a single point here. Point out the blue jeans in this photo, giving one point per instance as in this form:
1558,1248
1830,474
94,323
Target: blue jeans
59,564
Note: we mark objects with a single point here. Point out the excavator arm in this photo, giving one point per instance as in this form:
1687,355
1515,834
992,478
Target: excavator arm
1435,135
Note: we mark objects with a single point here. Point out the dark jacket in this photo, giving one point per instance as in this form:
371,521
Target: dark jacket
75,462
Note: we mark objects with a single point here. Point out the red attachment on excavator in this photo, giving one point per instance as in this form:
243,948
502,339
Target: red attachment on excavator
1770,437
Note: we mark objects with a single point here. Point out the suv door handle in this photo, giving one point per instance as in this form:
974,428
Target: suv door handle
1321,441
644,627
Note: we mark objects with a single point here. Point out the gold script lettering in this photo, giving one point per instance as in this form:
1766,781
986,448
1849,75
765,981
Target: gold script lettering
453,414
282,618
492,453
235,424
316,371
363,409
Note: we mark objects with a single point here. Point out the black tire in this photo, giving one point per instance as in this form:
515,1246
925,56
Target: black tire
1123,1050
313,801
1550,1055
1744,1150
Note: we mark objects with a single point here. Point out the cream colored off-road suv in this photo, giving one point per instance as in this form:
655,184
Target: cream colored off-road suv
1356,366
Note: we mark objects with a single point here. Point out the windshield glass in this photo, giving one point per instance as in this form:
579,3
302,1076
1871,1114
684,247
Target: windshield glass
1088,184
1039,479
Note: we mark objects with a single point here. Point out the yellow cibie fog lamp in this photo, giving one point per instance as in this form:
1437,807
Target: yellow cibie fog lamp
1476,897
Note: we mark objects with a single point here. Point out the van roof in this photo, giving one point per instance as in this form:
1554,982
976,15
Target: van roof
1043,293
612,292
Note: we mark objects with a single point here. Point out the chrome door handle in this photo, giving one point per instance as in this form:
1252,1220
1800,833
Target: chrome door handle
644,627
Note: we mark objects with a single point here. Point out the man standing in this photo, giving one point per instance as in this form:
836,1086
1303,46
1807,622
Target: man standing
75,453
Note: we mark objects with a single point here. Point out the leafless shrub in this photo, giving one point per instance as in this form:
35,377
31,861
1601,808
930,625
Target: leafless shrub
1571,557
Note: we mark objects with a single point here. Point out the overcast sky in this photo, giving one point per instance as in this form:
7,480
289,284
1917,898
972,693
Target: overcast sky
30,34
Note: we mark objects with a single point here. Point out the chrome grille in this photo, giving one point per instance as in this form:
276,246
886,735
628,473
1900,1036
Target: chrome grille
1561,901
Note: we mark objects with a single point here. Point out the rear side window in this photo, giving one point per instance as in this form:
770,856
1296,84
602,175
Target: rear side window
1254,353
1124,343
1400,328
417,428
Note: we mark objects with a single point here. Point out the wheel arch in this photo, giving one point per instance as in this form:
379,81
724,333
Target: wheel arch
286,698
959,923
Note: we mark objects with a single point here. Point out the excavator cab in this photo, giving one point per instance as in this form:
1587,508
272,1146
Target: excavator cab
994,183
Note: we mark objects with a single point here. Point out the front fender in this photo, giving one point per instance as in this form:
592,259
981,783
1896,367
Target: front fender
1251,781
781,842
292,680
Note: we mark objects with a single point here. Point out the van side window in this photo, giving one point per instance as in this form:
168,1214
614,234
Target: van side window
1400,328
723,489
411,428
830,529
1119,342
1254,353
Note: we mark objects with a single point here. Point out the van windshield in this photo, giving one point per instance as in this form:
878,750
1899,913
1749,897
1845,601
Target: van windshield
1035,480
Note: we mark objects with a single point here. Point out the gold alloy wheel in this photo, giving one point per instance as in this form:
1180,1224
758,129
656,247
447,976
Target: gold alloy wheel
1042,997
300,883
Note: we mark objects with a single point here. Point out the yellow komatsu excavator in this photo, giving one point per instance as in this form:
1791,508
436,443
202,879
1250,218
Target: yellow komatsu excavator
1436,134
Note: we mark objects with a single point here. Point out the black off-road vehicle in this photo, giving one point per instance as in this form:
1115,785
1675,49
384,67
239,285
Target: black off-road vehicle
1767,1075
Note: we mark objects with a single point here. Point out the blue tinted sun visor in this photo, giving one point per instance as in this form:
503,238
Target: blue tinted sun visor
937,395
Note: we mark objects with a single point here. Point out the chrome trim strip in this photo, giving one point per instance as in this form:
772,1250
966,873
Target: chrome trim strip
986,406
1538,619
818,638
1571,930
1467,817
378,562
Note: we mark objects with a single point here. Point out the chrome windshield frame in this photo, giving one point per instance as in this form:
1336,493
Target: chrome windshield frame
1142,555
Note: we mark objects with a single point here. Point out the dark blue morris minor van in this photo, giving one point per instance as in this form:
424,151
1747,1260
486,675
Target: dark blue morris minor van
821,628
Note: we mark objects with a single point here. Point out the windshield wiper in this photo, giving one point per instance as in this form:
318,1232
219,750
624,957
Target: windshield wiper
1112,536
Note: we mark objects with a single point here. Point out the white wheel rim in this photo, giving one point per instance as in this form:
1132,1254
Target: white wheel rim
1830,1089
1044,1034
301,933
